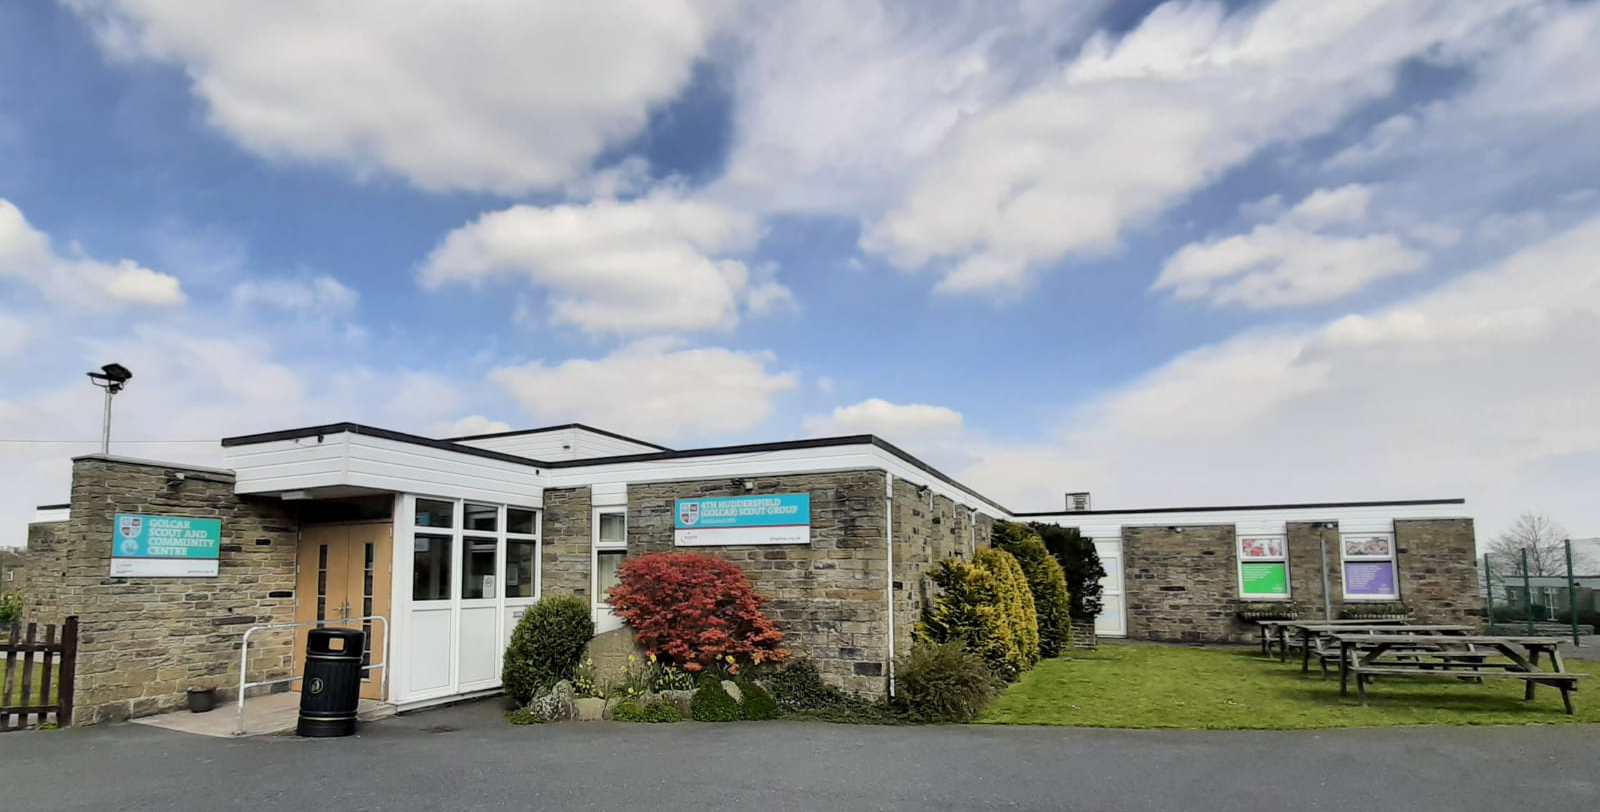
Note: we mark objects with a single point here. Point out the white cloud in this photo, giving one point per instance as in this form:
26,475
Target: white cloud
308,295
1135,124
652,264
27,257
889,420
1483,388
452,95
1293,260
14,335
838,101
652,388
473,425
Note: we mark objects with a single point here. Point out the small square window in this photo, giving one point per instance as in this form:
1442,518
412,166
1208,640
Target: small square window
519,520
483,518
613,528
435,513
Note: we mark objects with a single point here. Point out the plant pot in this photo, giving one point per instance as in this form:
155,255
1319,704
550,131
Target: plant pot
202,699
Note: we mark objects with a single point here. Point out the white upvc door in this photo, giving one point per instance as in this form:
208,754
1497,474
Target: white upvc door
1113,619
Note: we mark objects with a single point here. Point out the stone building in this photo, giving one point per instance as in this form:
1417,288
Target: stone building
436,547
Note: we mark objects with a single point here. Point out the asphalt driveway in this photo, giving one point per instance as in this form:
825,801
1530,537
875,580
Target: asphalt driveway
464,759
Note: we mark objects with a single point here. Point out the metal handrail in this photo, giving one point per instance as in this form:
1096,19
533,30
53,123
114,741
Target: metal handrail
244,657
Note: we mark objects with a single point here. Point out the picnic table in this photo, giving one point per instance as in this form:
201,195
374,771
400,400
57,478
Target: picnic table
1317,637
1277,631
1362,654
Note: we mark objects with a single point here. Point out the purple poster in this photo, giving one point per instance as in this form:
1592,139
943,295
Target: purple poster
1369,578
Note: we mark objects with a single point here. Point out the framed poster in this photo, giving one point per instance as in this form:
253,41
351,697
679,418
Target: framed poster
1268,548
1263,580
1370,571
1368,545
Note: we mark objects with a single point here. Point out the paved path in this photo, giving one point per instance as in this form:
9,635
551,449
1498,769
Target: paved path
465,759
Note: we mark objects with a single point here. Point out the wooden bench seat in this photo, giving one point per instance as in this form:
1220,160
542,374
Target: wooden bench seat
1565,683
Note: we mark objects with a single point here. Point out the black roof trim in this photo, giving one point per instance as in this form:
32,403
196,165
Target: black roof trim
613,435
62,506
1203,509
782,445
397,436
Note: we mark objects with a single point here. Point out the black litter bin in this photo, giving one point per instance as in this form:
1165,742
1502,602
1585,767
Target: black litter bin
331,689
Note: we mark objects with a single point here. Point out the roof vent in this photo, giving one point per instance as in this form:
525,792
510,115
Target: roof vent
1077,502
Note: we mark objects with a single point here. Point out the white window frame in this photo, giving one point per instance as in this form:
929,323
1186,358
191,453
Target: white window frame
1283,558
401,602
599,609
1392,559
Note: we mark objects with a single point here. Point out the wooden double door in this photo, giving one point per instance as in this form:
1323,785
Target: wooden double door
344,573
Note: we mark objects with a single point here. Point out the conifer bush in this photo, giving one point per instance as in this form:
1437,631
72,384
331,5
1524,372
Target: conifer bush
1018,617
711,703
1048,585
942,682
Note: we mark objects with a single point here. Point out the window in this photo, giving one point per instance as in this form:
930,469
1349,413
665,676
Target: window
610,548
520,521
435,513
484,518
520,563
1264,567
613,529
1369,568
477,568
430,568
605,573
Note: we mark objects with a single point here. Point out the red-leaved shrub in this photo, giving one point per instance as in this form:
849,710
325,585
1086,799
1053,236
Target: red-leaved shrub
694,610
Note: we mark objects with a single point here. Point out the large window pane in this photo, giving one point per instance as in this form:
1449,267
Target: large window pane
519,568
481,517
614,527
434,513
430,568
519,521
477,569
606,562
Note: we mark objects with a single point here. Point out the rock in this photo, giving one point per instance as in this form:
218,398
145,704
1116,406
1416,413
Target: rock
733,690
556,706
589,709
683,699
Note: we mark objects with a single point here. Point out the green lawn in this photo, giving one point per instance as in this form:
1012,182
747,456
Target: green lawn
1148,685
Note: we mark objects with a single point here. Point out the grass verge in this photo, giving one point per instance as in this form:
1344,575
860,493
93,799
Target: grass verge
1138,685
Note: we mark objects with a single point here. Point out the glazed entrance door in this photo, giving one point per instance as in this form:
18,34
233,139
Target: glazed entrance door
344,573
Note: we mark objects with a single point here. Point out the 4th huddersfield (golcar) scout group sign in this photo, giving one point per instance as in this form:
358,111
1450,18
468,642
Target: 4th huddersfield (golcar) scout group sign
165,546
710,521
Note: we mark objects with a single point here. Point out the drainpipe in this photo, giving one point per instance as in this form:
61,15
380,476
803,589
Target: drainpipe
888,582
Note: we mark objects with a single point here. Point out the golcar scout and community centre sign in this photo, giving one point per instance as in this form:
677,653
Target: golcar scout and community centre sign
710,521
165,546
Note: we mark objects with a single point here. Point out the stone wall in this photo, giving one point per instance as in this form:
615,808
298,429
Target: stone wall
40,596
1438,563
927,529
1180,583
1184,586
829,597
568,539
144,641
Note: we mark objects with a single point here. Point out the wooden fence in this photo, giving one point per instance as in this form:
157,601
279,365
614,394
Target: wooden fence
27,691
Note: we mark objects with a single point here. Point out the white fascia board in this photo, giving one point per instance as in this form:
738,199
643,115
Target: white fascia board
766,463
1251,516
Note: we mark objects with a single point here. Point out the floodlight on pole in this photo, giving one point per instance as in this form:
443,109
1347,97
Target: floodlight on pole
111,377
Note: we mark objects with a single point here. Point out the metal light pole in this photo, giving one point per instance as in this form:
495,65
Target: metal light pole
111,377
1527,591
1572,596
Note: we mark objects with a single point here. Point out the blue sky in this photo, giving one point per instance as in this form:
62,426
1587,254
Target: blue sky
1172,253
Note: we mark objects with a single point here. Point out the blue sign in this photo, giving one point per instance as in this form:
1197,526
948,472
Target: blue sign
141,536
783,518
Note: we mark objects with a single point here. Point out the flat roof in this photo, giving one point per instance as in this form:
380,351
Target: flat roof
564,426
1210,508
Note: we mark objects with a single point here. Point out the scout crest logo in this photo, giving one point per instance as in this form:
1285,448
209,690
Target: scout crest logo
129,528
689,513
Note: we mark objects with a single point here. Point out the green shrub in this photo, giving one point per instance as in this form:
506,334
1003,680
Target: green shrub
1019,619
711,703
661,710
967,609
1080,562
942,682
523,716
799,687
1048,585
546,646
10,606
755,704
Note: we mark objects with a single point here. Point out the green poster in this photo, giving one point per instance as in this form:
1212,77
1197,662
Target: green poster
1265,579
